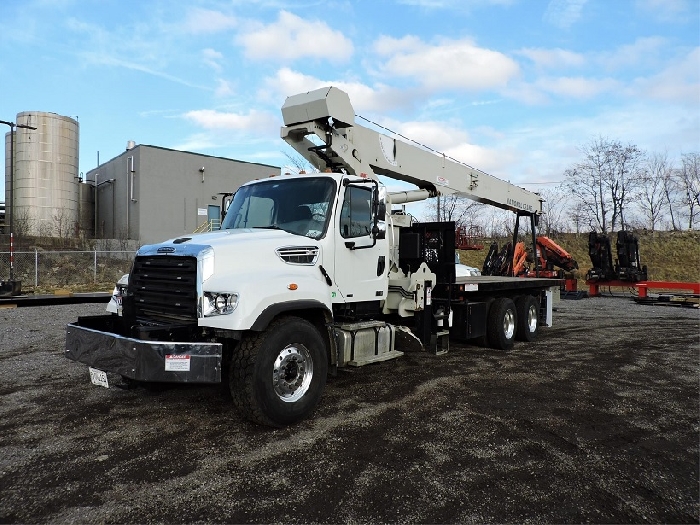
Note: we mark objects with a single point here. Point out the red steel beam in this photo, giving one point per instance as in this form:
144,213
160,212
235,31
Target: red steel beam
643,286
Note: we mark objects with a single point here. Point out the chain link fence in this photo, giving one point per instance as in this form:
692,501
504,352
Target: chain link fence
66,268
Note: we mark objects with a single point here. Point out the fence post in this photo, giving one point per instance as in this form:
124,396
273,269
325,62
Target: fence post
36,267
94,275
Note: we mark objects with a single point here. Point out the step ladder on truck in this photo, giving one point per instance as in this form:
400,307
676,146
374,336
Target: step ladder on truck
311,273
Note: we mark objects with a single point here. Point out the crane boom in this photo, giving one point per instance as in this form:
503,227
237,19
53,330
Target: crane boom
342,144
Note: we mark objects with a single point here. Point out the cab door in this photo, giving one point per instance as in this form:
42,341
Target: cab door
361,257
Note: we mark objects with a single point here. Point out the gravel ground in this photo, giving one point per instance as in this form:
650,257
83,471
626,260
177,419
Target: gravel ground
597,422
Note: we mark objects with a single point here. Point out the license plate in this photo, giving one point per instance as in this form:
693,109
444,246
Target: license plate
98,377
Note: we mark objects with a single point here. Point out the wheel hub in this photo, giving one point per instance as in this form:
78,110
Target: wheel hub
532,319
509,324
292,372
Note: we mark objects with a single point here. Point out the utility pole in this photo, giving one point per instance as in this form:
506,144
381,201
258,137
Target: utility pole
12,190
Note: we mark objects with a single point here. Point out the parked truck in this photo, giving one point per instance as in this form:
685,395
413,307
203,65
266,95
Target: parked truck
311,273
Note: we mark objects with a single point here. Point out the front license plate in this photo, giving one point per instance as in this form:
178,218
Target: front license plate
98,377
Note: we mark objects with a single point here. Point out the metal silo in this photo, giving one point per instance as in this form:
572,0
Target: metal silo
47,198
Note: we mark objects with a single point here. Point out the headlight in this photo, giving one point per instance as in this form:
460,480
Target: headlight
219,303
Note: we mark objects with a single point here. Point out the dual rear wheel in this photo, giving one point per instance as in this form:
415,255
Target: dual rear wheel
509,320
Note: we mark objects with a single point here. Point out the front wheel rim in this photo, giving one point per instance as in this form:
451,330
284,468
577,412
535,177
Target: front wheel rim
292,372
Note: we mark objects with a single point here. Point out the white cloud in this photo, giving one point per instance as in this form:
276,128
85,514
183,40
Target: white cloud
449,64
206,21
387,46
223,89
678,82
494,161
292,37
553,58
667,10
454,4
213,120
455,142
364,98
136,47
526,92
438,136
644,51
212,58
563,13
108,60
197,142
577,87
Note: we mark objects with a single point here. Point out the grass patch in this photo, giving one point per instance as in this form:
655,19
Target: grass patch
669,256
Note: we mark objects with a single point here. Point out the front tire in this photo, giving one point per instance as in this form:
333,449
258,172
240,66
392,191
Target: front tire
277,376
502,323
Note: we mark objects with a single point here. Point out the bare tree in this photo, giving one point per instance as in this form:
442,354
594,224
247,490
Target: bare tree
585,180
45,229
688,178
604,180
656,171
24,223
299,163
453,207
670,195
623,179
554,210
64,226
580,218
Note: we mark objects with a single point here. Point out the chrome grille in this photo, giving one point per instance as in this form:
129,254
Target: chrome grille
164,287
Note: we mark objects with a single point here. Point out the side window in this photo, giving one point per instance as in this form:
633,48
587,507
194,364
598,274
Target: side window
356,213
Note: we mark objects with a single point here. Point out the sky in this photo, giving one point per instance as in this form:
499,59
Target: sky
512,87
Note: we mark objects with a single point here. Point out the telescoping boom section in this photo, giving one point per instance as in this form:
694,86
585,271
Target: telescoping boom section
320,125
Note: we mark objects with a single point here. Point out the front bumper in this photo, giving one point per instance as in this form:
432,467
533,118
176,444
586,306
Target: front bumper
92,341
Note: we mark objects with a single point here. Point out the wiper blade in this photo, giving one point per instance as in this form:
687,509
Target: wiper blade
275,227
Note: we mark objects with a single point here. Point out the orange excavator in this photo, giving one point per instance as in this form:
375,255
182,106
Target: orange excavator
552,261
550,256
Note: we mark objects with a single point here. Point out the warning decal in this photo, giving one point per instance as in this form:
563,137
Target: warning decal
177,363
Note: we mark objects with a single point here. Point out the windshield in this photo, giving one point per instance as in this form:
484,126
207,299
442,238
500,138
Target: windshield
300,206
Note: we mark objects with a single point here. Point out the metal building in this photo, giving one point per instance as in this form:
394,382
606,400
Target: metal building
149,194
46,184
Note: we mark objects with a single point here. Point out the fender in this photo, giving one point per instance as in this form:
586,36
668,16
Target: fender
272,311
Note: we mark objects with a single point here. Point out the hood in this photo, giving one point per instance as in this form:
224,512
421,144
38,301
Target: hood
240,249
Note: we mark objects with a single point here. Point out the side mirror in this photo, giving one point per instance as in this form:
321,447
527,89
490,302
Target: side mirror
379,228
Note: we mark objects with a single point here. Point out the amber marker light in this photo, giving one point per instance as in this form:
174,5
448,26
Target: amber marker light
292,286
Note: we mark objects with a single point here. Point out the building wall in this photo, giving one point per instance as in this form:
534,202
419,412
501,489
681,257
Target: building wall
150,194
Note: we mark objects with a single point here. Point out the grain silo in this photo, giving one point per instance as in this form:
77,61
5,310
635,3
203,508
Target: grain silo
46,184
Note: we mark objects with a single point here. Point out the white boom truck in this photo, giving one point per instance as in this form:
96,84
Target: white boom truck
310,273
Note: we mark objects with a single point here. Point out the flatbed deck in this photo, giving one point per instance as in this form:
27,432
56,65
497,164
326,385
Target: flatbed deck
489,283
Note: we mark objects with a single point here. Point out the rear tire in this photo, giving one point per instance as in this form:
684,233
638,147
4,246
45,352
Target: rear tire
502,323
277,376
528,312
